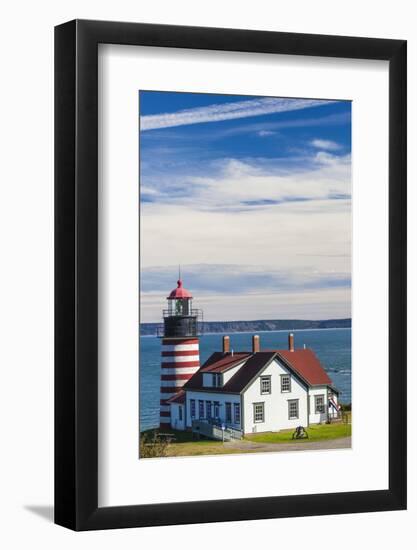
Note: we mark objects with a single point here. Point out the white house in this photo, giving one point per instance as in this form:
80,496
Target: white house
258,391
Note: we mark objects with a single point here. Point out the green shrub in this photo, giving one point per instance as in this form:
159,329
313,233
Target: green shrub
151,445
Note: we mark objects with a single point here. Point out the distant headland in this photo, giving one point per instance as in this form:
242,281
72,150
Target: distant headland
217,327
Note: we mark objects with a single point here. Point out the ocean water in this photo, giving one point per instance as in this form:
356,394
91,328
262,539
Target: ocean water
332,346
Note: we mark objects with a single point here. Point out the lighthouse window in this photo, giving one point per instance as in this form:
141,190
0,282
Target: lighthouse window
265,384
180,413
192,408
208,409
201,409
237,412
285,383
216,409
179,307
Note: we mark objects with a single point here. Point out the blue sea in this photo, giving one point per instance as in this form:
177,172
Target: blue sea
332,346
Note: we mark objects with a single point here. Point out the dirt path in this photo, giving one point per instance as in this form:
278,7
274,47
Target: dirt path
244,445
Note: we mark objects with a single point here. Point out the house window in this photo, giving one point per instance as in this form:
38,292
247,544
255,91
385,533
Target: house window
201,409
285,383
319,403
180,413
236,407
208,409
216,409
229,413
192,408
265,384
258,412
292,409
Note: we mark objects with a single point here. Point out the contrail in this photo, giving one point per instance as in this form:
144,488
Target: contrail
227,111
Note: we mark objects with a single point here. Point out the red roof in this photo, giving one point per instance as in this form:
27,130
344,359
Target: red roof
177,398
179,292
306,363
302,362
254,364
221,362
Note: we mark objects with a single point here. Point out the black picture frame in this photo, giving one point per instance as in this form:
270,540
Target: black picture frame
76,272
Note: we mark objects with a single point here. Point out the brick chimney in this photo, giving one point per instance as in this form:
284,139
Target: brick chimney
291,341
255,343
226,344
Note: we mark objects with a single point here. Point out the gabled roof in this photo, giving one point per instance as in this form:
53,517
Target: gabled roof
256,363
303,362
253,365
306,363
177,398
221,362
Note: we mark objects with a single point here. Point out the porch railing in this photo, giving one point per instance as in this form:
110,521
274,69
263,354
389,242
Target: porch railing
209,428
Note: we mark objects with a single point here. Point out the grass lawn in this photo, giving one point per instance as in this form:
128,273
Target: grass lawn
316,432
185,445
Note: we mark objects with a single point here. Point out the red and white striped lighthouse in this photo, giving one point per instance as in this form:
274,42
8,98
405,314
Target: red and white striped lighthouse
180,357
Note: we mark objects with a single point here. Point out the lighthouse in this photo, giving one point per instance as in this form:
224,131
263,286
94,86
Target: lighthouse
180,357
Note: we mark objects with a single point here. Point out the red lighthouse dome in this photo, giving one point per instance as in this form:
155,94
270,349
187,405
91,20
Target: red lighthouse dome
179,293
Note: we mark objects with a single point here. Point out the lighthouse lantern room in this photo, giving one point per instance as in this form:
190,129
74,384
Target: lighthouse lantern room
180,319
180,357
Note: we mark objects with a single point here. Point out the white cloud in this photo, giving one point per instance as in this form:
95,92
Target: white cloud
325,144
265,133
227,111
227,279
318,304
324,158
237,185
259,218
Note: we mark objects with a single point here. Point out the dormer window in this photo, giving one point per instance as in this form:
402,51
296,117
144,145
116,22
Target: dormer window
216,380
212,379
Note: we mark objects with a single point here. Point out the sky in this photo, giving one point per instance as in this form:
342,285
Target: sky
252,197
